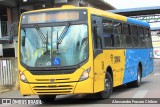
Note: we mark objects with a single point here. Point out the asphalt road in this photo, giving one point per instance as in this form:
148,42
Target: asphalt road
150,88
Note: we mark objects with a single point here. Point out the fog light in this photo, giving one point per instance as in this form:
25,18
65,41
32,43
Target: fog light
23,77
85,74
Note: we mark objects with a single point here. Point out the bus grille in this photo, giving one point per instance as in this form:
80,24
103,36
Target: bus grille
56,80
53,89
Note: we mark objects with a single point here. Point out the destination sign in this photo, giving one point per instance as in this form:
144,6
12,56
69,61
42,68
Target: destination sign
53,16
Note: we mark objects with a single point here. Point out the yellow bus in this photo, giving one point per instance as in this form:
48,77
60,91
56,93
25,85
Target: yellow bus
76,50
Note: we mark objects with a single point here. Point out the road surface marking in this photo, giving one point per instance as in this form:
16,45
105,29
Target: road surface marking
140,94
156,74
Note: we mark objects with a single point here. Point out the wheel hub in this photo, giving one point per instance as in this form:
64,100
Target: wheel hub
107,86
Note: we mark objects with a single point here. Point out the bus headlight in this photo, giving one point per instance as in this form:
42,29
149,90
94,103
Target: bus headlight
23,77
85,74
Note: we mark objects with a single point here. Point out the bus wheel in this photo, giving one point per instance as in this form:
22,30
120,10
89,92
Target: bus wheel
47,98
137,83
108,87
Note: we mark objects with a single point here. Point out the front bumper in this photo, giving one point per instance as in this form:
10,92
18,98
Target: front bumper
85,86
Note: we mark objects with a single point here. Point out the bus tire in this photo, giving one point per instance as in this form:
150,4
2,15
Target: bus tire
137,83
47,98
108,87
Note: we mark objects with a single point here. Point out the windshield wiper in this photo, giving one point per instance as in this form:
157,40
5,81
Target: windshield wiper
62,35
43,38
40,33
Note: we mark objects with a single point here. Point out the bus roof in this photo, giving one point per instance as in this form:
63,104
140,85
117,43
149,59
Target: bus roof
137,22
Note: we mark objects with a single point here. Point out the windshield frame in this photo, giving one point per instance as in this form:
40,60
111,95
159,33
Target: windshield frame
53,25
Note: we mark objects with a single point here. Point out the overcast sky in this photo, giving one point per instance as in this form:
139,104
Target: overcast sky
123,4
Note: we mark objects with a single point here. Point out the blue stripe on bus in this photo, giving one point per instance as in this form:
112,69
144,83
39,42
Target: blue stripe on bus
133,57
138,22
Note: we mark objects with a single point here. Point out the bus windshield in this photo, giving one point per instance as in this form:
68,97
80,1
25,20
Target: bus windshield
54,46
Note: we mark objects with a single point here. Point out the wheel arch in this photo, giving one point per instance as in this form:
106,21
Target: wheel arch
110,71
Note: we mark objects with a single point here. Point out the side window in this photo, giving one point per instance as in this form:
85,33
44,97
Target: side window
107,26
134,33
148,40
108,33
117,32
127,34
141,36
123,37
97,32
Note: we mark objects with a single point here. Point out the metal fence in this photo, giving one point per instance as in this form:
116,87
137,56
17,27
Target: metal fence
5,25
8,71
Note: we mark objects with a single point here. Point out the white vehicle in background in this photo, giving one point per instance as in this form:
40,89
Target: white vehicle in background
156,52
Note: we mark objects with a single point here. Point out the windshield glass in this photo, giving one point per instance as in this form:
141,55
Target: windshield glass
54,46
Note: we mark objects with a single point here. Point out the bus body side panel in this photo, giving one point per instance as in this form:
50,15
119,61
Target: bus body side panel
113,58
133,58
108,57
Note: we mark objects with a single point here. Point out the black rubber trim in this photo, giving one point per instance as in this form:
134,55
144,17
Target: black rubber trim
97,52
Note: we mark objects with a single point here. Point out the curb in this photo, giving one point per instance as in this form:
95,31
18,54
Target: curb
5,90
